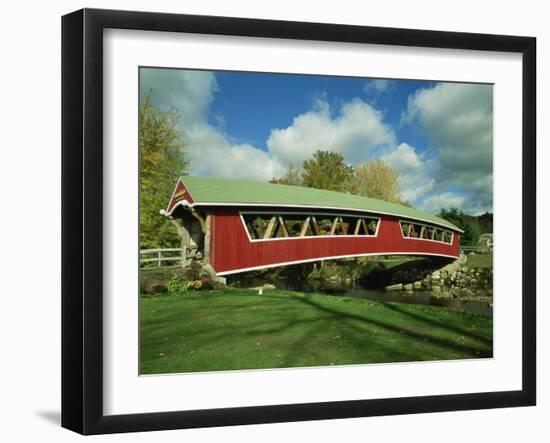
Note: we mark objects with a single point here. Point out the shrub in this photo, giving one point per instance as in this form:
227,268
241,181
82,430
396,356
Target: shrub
177,285
207,283
195,285
202,284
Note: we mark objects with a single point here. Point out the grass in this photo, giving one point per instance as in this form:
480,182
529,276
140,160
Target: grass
396,261
238,329
484,261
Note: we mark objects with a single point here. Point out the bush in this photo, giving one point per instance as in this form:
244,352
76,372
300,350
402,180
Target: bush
202,284
177,285
155,280
195,285
207,283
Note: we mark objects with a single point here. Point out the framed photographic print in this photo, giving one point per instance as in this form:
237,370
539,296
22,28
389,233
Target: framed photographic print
270,221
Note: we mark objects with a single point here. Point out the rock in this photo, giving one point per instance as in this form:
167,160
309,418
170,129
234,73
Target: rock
436,289
408,287
397,287
209,270
417,285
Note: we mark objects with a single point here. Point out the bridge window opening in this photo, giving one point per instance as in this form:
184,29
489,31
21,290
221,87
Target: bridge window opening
298,225
424,232
324,224
264,226
257,225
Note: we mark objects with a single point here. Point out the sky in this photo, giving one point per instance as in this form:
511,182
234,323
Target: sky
437,136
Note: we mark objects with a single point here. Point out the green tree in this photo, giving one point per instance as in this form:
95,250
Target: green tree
468,224
377,179
292,177
162,161
327,170
472,232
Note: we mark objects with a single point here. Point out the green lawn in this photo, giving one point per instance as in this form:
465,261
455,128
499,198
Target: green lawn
239,329
480,261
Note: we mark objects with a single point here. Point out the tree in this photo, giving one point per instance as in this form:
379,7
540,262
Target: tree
377,179
468,224
327,170
162,161
292,177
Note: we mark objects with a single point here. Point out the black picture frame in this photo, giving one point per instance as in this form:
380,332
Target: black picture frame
82,218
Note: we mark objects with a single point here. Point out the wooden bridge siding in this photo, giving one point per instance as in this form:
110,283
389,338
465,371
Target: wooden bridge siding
231,249
180,193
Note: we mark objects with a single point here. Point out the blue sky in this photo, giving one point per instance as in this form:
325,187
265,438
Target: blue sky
438,136
246,94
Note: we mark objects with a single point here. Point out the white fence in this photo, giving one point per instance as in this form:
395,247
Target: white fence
156,257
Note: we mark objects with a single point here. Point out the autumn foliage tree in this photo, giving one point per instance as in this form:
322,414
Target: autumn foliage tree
377,179
292,177
327,170
162,161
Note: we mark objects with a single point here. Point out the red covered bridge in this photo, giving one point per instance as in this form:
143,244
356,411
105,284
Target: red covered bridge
237,226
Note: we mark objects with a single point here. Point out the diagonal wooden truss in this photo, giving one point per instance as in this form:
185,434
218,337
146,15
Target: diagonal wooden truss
309,226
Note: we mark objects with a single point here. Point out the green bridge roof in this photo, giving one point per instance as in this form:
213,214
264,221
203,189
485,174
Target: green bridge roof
206,190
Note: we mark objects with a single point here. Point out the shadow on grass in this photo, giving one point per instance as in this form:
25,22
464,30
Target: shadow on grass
298,324
407,331
430,321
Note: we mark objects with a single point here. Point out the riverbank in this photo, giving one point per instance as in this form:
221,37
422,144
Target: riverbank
230,329
469,278
428,280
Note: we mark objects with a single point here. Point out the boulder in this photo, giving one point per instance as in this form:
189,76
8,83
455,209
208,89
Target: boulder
396,287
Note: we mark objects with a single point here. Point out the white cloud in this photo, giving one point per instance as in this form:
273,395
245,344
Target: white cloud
211,150
377,87
457,119
356,132
445,200
212,154
190,92
403,158
414,172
